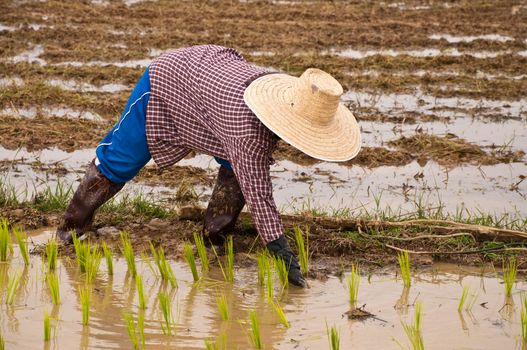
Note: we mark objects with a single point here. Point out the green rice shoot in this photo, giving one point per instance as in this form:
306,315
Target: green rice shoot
413,330
261,260
128,252
280,313
141,327
228,269
2,342
93,263
53,284
140,291
303,249
463,298
47,326
167,324
269,281
223,307
131,329
471,302
164,267
5,240
333,337
108,255
254,332
353,284
523,318
82,250
12,287
21,239
202,251
282,271
404,264
509,275
188,253
85,299
52,251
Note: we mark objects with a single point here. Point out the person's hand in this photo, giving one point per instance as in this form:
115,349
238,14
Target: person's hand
280,248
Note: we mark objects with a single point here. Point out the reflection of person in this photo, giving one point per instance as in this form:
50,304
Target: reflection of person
209,99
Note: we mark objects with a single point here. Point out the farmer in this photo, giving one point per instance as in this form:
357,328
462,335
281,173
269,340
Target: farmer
209,99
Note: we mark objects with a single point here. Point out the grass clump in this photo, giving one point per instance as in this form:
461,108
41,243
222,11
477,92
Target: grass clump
85,298
47,327
254,332
202,251
108,255
191,260
509,275
128,252
131,329
353,284
12,287
21,239
5,240
52,251
413,331
54,199
167,325
228,269
280,313
282,270
164,267
269,281
53,284
140,291
333,337
223,307
404,264
303,249
93,263
82,250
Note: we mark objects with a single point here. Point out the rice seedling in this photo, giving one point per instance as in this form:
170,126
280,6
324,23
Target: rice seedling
164,267
254,332
47,326
509,275
202,252
5,240
82,250
404,263
333,337
282,270
269,281
523,318
85,298
353,284
108,255
130,327
303,249
93,263
167,325
413,331
21,239
2,342
128,252
52,250
140,291
141,327
472,301
228,269
191,260
261,260
53,284
463,298
221,302
218,344
12,287
280,313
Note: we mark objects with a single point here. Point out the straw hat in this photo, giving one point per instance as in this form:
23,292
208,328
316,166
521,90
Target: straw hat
306,113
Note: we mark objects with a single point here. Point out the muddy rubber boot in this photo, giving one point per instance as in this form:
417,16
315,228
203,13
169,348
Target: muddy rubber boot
94,190
224,207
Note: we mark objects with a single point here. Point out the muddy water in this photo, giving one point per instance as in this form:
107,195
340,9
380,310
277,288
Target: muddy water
488,326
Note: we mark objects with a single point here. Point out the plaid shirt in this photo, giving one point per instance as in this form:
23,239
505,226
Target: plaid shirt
196,103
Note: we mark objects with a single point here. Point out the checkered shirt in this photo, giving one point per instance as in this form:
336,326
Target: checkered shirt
196,103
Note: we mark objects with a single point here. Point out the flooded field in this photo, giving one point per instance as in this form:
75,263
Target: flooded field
493,321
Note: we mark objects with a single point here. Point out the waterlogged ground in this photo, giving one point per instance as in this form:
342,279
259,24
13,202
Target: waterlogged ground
493,322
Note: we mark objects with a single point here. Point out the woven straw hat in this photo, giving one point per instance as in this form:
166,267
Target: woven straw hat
306,113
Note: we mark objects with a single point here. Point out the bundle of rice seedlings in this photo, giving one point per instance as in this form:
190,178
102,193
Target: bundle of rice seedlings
254,332
333,337
404,264
108,255
164,267
202,251
191,260
221,302
303,249
167,325
128,252
53,284
52,251
21,239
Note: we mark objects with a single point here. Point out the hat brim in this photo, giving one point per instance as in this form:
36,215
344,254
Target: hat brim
268,98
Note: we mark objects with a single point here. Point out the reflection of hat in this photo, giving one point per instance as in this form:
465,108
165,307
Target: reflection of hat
306,112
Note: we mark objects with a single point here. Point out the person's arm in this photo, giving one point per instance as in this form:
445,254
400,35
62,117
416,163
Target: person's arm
250,162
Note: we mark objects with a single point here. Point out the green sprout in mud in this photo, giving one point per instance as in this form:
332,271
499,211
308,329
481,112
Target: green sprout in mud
353,284
140,291
53,284
202,252
85,294
269,281
52,250
303,249
509,275
282,270
57,198
47,326
413,330
255,335
280,313
5,240
228,269
223,307
108,255
12,287
333,337
523,318
21,239
128,252
167,324
404,264
465,296
82,249
93,263
163,265
261,260
188,253
131,329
